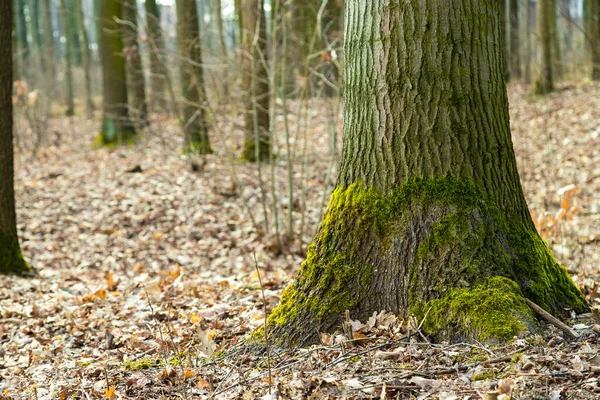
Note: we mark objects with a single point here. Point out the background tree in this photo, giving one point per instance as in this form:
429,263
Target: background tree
527,61
116,124
68,56
557,68
85,58
157,66
11,259
255,84
135,69
49,41
595,38
544,83
428,215
515,58
192,80
217,11
23,52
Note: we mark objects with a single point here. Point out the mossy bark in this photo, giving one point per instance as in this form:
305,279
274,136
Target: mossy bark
192,81
428,213
11,259
136,81
69,56
85,59
545,82
257,138
117,127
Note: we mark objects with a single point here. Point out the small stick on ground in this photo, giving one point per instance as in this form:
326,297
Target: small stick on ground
553,320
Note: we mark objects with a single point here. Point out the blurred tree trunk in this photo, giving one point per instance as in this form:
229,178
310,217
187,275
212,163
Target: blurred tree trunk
527,61
515,58
257,144
544,84
557,68
333,36
117,127
11,259
34,8
586,22
136,80
69,55
85,59
193,93
218,13
158,70
23,50
565,12
49,43
595,38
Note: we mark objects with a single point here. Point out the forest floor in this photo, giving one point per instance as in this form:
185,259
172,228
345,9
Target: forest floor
148,282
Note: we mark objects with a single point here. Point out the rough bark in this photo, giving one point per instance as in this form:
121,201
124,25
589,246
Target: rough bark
49,42
428,213
257,138
157,67
136,80
504,38
117,127
85,59
595,38
544,83
515,58
69,56
192,81
11,259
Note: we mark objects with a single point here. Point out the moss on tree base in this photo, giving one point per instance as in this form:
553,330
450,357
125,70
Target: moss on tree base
438,245
199,147
11,259
250,153
114,133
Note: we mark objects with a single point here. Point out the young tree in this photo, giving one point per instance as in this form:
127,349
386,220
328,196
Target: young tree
595,38
515,59
11,259
117,127
49,41
544,84
428,216
218,13
85,58
257,144
22,41
69,56
135,68
157,67
192,81
557,67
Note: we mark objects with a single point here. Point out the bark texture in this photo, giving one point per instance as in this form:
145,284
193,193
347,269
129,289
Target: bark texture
157,67
192,81
136,80
85,59
504,37
545,82
117,127
11,259
428,213
69,56
257,138
515,58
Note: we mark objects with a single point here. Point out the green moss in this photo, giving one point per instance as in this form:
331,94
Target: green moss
487,374
11,258
142,363
249,151
494,310
198,147
114,134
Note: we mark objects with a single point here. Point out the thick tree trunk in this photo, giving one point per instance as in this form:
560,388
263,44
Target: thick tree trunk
136,80
85,59
49,42
515,58
157,66
257,142
504,38
192,82
595,38
11,259
527,61
428,216
69,55
544,84
117,127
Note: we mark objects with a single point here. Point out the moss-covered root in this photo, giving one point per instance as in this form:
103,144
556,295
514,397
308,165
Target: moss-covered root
114,133
199,147
251,154
11,259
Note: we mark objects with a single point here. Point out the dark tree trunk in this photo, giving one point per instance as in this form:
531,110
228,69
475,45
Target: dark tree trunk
136,80
192,81
257,142
117,127
69,56
428,215
504,38
85,58
11,259
515,58
545,82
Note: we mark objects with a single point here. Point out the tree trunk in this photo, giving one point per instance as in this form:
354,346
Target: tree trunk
34,8
504,38
69,55
85,59
557,67
136,80
49,43
332,28
255,84
22,42
117,127
544,84
595,38
157,66
11,259
527,60
515,59
428,216
192,82
217,11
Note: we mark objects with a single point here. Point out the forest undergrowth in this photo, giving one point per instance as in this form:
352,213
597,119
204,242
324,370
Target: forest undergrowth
148,283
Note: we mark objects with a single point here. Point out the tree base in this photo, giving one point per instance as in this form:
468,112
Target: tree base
432,247
199,147
116,133
11,259
250,153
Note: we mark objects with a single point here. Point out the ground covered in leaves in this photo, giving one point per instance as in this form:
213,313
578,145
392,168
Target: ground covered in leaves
148,276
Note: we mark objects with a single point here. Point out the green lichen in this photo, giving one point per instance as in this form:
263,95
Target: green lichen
11,258
142,363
